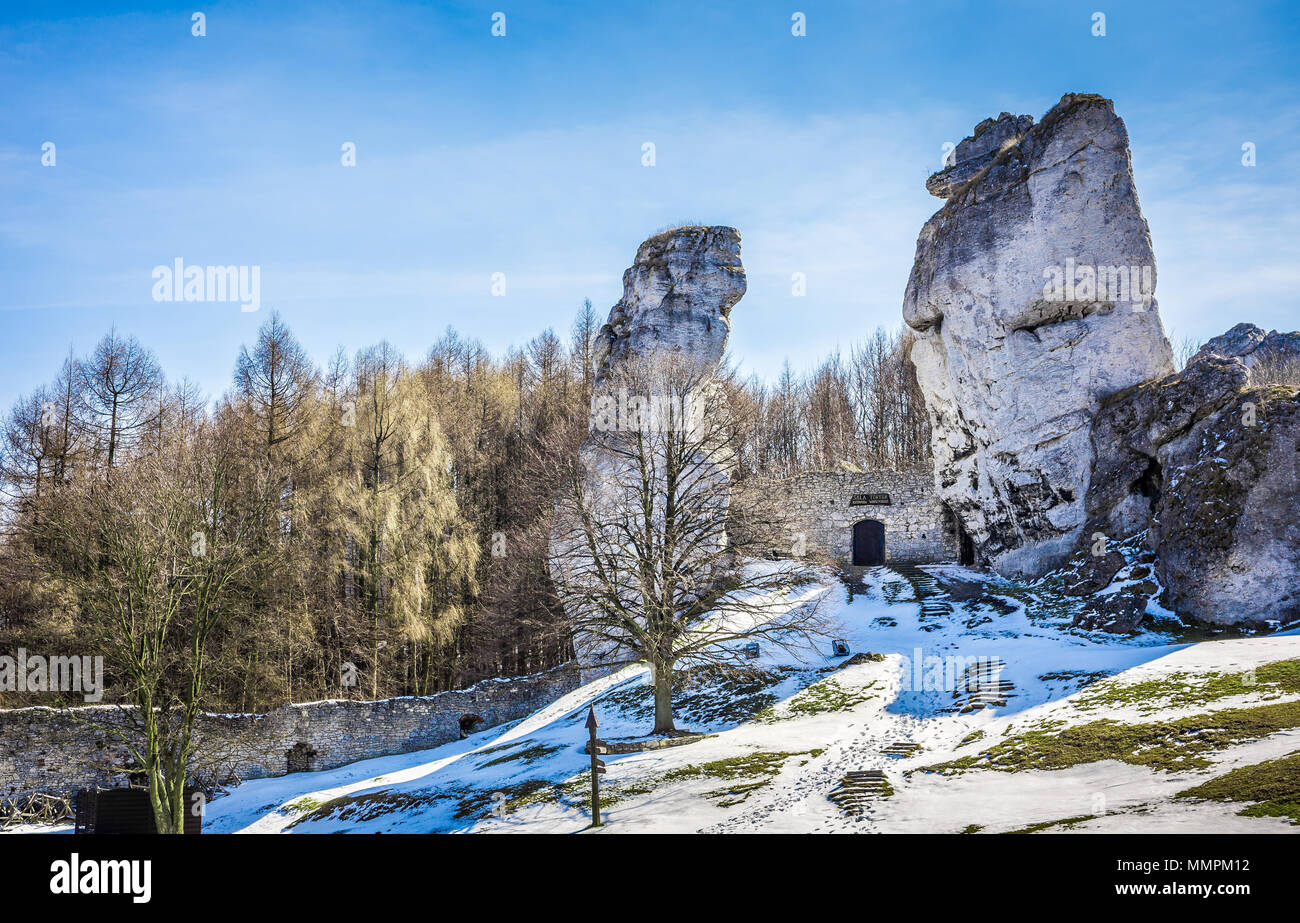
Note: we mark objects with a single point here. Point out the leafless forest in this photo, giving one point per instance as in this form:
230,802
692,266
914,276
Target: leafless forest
374,526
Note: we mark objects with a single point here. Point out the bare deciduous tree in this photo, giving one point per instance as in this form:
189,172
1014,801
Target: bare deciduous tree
151,553
641,555
119,382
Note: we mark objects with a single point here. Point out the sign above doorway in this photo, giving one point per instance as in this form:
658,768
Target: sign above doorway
869,500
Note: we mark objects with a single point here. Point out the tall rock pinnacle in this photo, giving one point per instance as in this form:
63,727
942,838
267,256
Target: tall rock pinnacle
677,295
1032,297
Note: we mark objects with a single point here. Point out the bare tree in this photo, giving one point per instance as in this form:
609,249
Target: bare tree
582,347
152,553
1185,347
640,554
119,383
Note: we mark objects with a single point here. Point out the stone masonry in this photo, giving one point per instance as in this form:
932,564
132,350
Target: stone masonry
814,513
58,751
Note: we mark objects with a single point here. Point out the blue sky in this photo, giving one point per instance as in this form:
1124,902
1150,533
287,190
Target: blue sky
522,155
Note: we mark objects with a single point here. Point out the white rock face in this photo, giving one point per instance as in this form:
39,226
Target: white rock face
677,296
1023,326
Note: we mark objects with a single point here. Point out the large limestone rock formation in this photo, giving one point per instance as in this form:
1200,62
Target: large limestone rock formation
1209,461
677,295
1031,299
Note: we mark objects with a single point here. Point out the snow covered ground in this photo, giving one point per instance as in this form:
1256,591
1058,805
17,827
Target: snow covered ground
783,739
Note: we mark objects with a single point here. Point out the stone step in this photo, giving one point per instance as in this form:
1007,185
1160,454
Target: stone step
858,789
922,583
985,672
990,687
849,803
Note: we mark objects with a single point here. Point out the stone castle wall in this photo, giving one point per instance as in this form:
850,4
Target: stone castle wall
814,514
58,751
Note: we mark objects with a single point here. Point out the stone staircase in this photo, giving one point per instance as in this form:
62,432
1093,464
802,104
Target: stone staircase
858,789
981,686
901,749
927,590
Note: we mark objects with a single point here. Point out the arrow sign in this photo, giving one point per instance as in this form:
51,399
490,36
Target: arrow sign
592,723
599,766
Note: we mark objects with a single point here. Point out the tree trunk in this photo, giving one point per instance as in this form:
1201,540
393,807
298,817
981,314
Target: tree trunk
168,804
663,681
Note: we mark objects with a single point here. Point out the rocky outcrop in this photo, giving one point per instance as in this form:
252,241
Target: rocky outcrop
1255,348
1209,460
1032,300
677,296
1133,425
976,153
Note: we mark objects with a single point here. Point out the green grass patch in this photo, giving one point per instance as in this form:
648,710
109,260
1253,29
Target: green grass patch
1179,690
357,808
1181,744
749,772
530,755
1066,822
509,797
1274,785
827,695
706,695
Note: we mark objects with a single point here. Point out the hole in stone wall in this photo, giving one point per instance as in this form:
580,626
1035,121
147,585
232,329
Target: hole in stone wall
469,724
301,757
965,545
966,548
1148,483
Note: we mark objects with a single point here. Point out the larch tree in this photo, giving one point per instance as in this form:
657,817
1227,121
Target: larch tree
119,384
412,556
277,403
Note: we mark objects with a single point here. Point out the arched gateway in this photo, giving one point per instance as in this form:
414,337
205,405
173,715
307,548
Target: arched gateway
868,542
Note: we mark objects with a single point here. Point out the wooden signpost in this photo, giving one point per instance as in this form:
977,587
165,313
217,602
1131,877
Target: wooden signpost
595,747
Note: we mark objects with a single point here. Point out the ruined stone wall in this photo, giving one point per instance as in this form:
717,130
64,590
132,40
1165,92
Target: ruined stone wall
774,514
61,750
